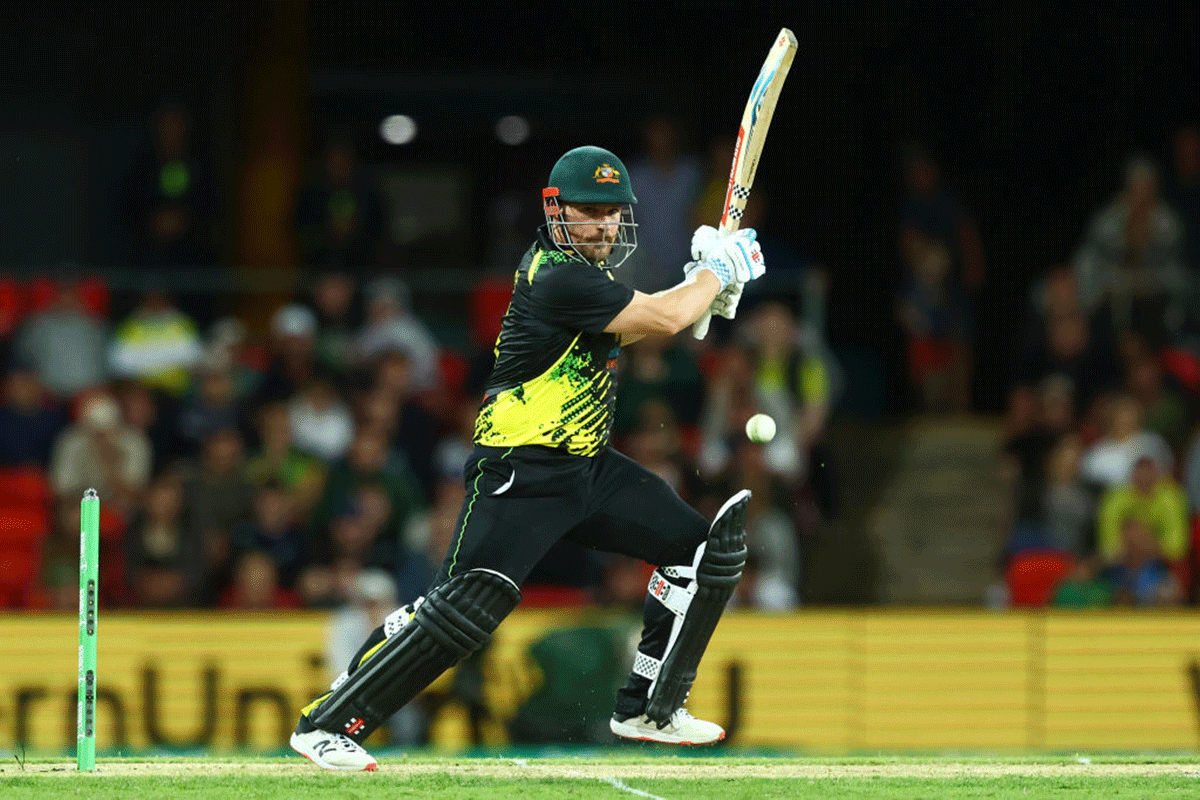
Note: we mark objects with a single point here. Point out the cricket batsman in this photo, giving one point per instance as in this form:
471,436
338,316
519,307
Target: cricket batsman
542,469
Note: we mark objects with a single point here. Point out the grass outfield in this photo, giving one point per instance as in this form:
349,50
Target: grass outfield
614,777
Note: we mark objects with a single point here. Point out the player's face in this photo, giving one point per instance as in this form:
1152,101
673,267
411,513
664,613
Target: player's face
594,228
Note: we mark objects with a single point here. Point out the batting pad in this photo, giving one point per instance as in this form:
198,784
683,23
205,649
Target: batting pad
718,569
456,618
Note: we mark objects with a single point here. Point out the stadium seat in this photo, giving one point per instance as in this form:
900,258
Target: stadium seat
1032,576
43,292
453,368
94,295
488,302
535,595
24,486
20,568
21,524
12,305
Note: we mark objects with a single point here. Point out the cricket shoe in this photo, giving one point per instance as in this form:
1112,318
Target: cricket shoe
333,751
681,728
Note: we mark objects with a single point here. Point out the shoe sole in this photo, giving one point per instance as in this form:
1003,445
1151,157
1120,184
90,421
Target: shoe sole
634,734
372,767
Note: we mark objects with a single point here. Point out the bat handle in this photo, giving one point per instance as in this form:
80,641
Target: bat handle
700,326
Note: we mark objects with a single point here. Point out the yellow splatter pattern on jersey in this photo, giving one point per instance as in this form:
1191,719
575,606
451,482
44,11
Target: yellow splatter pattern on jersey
569,406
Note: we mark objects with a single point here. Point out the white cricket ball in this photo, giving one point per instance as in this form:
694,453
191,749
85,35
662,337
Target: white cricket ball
760,428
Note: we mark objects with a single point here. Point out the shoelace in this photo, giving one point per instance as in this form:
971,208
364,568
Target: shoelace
681,715
339,742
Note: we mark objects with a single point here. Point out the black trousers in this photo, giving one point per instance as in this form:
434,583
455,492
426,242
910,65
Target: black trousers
520,501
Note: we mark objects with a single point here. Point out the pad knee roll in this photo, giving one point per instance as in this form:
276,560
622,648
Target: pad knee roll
456,618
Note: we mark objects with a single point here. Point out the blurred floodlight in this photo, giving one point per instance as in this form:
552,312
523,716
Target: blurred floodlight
398,129
512,129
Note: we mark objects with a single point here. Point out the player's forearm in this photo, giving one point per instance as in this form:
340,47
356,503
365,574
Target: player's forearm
669,311
684,303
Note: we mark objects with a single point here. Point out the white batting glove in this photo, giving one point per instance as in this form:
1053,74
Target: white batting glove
736,258
703,241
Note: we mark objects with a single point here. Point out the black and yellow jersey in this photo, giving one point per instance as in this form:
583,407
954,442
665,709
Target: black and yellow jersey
554,381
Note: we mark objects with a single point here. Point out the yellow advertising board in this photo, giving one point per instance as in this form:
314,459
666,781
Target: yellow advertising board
836,681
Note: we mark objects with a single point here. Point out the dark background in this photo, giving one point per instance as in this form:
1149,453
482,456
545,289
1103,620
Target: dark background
1032,109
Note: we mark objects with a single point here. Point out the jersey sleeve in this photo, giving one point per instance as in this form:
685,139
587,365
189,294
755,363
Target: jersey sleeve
578,296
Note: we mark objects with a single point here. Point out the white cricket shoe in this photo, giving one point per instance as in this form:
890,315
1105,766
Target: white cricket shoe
333,751
682,728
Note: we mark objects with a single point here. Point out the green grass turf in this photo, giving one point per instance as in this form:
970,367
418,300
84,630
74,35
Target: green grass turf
614,776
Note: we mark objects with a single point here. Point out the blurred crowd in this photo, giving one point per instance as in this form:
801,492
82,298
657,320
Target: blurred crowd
1104,410
294,466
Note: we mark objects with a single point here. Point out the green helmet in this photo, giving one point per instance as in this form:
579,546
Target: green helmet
590,175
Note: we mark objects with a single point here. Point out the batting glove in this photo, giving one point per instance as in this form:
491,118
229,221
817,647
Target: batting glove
736,258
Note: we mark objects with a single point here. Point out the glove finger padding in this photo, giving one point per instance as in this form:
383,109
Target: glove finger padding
737,258
727,301
703,240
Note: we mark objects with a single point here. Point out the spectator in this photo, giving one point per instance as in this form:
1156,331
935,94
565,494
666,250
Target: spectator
157,345
65,344
217,497
368,461
658,368
429,533
937,320
932,214
1083,587
668,181
372,598
393,405
730,401
1130,263
1069,507
1157,504
256,585
211,406
454,448
1164,410
781,375
710,202
227,349
1191,471
1183,191
656,444
321,424
1060,340
339,216
154,416
1139,576
368,532
169,201
29,423
391,325
278,460
274,531
293,361
1029,446
771,534
60,558
333,296
101,452
162,557
1109,462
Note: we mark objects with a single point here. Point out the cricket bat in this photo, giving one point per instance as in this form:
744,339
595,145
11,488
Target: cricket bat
752,135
